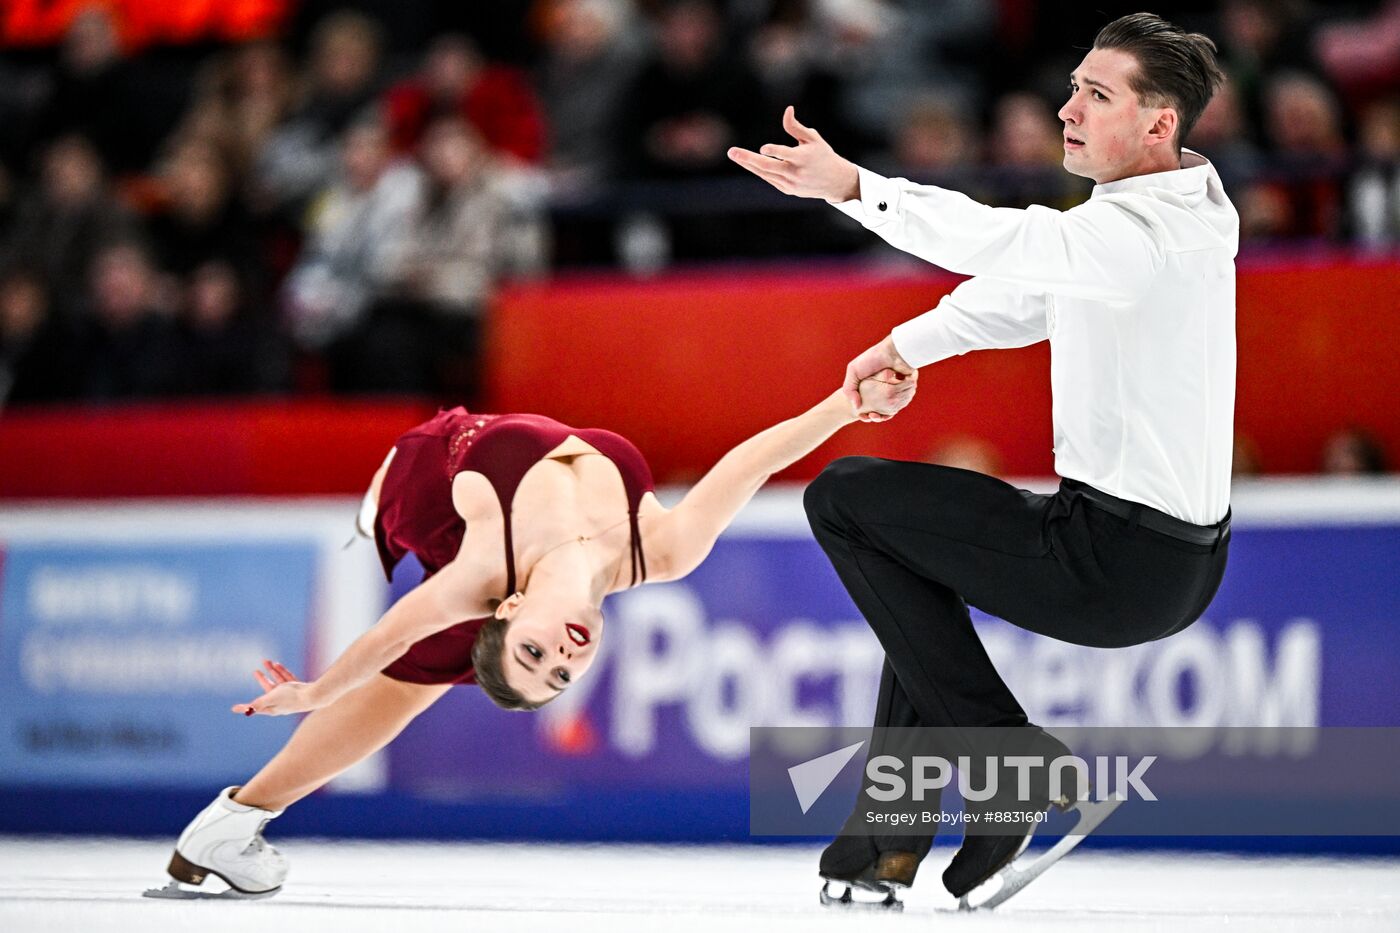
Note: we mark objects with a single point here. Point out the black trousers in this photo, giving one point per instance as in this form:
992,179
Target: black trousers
915,544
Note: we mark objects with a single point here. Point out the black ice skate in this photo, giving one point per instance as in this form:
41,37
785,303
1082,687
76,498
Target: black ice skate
866,880
983,858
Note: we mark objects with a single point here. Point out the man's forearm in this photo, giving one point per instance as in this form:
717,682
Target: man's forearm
980,314
897,360
850,188
1100,250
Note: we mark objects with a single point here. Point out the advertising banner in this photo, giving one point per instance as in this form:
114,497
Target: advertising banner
1301,634
119,661
127,631
1158,781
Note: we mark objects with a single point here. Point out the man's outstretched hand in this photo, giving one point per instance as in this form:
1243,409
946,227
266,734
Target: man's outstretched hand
811,169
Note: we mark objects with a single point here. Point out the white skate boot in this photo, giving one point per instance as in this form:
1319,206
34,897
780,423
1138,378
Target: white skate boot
226,840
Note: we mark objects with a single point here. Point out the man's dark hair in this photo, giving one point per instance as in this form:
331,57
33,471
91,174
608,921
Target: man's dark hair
1176,68
488,654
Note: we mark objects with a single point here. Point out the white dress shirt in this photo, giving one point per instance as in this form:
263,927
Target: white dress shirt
1134,289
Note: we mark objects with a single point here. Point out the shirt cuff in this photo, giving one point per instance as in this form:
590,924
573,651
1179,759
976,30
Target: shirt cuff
878,201
924,340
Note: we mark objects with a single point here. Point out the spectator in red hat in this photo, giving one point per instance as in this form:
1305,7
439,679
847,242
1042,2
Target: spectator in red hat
456,81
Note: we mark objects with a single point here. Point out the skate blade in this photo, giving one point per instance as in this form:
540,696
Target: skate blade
1014,878
176,891
848,901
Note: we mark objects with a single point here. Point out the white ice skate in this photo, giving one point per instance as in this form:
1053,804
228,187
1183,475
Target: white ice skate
226,841
1016,876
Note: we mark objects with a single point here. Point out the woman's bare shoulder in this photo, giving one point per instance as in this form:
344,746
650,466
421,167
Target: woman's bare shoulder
471,583
474,498
650,509
477,575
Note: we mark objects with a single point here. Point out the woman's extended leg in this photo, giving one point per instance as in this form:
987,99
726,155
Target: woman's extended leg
335,737
369,505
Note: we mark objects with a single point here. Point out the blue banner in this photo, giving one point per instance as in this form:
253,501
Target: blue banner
118,664
1302,633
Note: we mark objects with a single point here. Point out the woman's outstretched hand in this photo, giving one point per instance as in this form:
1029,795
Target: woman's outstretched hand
283,694
884,394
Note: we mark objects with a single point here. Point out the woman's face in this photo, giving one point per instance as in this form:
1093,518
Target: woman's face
549,644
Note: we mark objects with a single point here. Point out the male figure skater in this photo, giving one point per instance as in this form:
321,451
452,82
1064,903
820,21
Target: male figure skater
1135,290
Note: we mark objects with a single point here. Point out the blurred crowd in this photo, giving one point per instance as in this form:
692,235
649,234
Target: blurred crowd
333,207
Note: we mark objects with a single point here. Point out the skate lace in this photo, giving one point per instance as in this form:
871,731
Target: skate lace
258,845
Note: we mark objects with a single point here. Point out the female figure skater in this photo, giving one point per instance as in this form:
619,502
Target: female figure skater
522,525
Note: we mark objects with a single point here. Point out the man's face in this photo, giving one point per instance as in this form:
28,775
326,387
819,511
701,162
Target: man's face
1108,133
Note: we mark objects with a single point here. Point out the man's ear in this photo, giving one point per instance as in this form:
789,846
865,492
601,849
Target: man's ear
510,605
1163,129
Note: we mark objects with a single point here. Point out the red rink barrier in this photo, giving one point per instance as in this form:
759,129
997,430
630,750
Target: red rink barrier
200,448
687,365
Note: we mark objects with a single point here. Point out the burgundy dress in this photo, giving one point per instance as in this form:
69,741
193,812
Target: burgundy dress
416,514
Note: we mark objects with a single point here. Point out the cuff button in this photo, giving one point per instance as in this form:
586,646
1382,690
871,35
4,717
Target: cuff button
883,206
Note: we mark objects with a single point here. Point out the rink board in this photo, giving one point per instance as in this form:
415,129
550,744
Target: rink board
653,744
104,645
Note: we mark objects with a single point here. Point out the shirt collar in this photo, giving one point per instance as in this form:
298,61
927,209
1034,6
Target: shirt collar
1195,170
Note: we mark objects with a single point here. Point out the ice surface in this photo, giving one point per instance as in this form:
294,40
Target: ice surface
95,885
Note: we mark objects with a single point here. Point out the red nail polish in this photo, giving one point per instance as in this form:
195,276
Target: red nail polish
247,712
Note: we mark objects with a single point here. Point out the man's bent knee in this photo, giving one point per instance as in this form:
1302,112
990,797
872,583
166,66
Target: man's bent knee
834,485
